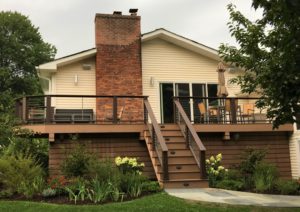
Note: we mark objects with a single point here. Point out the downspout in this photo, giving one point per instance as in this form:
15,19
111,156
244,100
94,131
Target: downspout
45,78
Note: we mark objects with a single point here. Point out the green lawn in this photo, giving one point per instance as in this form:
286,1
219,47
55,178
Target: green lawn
157,202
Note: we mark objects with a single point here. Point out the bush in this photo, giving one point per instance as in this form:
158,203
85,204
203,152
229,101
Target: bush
287,186
77,163
132,184
230,184
233,180
129,165
151,186
265,176
21,174
22,142
214,170
249,160
105,170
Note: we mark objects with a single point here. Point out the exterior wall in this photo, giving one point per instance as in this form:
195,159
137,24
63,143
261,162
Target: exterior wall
64,83
102,146
118,60
276,144
166,62
295,153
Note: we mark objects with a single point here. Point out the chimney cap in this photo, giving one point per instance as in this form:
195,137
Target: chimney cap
133,11
117,13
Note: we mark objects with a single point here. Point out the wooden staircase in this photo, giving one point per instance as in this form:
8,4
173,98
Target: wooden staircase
183,171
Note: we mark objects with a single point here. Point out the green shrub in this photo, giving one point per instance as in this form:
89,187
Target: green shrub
77,163
265,176
151,186
249,160
230,184
287,186
77,190
105,170
22,142
21,174
132,184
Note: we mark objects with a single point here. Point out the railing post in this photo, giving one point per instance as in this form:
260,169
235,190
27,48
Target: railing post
153,138
48,109
115,110
145,112
24,109
203,165
187,137
165,167
233,110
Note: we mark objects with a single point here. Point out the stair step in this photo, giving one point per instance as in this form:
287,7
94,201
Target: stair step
169,139
169,127
181,168
176,153
175,133
186,183
183,175
178,160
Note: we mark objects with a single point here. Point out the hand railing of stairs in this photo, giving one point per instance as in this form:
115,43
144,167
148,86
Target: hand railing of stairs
158,142
192,139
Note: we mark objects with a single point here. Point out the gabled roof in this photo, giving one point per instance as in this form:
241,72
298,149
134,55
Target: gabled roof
53,65
158,33
182,42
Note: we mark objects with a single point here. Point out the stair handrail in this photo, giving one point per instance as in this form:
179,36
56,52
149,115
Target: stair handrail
158,141
191,137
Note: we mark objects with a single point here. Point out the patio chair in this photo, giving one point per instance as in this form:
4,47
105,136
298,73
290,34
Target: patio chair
109,116
203,113
248,112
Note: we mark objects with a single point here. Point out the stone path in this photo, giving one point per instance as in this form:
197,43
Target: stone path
235,197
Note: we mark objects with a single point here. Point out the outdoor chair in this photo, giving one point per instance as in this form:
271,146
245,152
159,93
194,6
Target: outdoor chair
109,114
248,112
206,116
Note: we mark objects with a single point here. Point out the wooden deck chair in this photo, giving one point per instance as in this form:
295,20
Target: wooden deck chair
203,113
110,117
248,112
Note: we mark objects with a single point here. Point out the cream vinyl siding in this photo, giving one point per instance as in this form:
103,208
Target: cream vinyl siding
295,153
64,83
166,62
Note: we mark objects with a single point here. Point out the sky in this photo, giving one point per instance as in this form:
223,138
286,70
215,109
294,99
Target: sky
69,24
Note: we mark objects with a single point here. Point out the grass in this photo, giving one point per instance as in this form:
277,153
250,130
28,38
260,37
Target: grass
157,202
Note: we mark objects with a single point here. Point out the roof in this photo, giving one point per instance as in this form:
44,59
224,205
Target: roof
53,65
158,33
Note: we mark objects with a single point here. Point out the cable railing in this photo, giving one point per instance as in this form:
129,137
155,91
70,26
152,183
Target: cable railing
230,110
192,139
158,142
58,109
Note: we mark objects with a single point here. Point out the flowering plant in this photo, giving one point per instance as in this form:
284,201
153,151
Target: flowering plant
129,165
214,170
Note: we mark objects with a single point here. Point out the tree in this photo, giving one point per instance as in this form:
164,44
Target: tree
21,49
269,53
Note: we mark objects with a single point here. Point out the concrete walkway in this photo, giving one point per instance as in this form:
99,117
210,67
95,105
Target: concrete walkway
235,197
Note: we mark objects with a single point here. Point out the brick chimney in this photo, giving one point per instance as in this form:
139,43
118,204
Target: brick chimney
118,62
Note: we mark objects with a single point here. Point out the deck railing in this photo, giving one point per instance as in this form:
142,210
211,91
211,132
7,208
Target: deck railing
158,142
215,110
55,109
192,139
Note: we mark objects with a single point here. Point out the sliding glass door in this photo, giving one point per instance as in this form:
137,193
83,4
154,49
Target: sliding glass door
190,106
